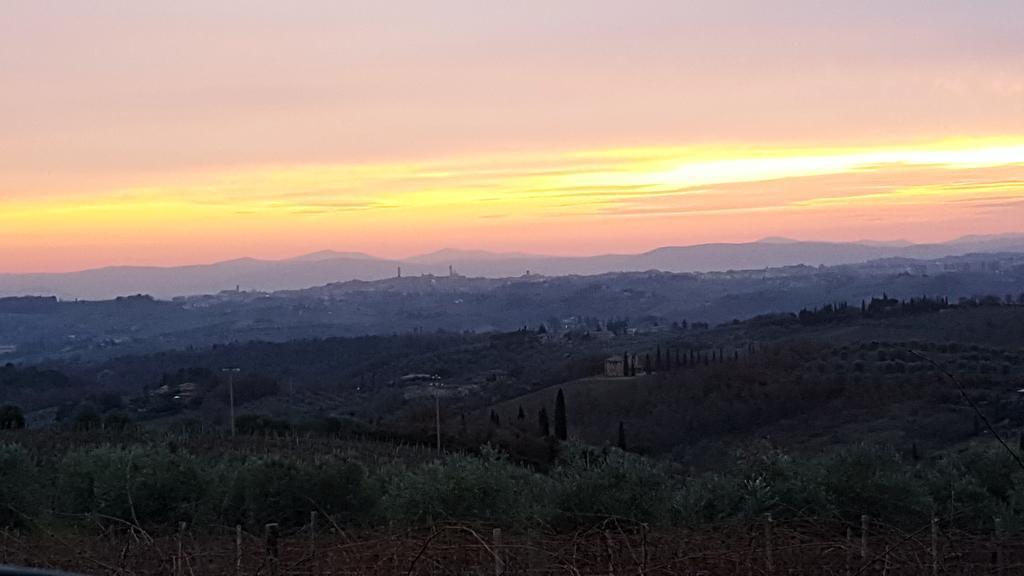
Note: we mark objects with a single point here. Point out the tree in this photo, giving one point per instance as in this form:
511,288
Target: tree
86,417
11,418
522,415
647,363
116,421
622,436
561,431
657,359
542,329
542,420
625,363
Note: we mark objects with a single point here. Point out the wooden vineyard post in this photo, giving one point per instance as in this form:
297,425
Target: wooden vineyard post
499,564
179,567
863,537
531,551
312,543
608,553
849,550
998,537
643,549
272,549
935,546
769,560
238,549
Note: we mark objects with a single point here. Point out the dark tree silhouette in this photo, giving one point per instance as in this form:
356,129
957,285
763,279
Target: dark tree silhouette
11,418
622,436
561,431
543,422
647,363
522,415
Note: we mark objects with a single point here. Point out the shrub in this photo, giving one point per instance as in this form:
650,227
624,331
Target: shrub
151,486
611,483
285,491
19,486
482,488
11,418
875,481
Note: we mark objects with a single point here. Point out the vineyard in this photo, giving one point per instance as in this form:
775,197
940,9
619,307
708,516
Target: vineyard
609,547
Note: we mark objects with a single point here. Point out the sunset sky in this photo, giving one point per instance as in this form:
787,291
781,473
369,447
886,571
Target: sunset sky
192,131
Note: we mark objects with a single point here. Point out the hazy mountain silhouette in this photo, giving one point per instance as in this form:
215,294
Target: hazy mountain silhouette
328,266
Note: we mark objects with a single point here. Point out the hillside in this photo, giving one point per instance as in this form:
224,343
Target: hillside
328,266
808,388
37,329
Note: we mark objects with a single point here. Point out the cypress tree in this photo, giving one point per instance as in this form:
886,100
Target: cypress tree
657,359
647,363
622,436
560,426
522,415
625,363
542,420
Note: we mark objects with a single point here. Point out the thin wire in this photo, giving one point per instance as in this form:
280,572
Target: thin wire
977,411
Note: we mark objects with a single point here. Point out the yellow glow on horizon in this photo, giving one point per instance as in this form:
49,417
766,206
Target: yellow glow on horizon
492,199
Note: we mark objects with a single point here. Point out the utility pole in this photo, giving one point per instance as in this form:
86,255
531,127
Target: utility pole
231,394
437,420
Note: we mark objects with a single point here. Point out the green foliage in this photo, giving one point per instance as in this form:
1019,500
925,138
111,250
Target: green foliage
156,486
875,481
975,486
86,417
19,486
285,490
485,488
763,480
11,418
592,484
144,485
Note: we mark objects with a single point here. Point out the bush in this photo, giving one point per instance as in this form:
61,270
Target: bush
19,486
764,480
611,483
481,488
151,486
875,481
282,490
86,417
11,418
976,486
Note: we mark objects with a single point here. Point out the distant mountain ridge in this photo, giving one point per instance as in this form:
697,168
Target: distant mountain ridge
328,266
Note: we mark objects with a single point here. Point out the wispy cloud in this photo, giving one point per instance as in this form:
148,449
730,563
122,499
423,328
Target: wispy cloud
502,200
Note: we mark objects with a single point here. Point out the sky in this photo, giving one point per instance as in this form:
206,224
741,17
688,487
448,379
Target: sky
166,133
